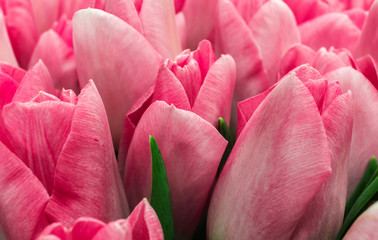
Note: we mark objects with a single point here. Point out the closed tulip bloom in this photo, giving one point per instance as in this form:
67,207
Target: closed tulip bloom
191,149
58,163
141,224
194,81
289,164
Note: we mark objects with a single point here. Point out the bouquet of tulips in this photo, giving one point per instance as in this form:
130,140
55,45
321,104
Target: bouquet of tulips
188,119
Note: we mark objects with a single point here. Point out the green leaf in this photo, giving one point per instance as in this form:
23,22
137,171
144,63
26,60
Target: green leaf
361,186
360,205
227,134
160,193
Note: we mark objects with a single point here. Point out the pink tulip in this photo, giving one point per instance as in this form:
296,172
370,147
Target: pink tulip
58,161
26,19
288,167
142,224
191,149
365,227
242,31
194,81
119,59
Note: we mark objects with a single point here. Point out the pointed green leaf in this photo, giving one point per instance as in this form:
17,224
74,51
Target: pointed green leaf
227,134
359,206
361,186
160,193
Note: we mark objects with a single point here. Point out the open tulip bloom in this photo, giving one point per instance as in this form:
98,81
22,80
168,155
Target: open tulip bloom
188,119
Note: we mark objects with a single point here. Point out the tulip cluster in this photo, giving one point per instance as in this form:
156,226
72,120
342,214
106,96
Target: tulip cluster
188,119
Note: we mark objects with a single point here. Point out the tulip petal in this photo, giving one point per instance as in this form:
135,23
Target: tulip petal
358,16
199,16
87,169
191,149
330,26
125,10
159,26
61,64
325,61
247,8
368,41
36,133
273,18
236,39
205,57
369,68
365,129
45,12
307,9
319,221
297,55
22,199
14,72
86,228
119,55
170,90
36,79
285,138
7,54
215,96
22,29
365,227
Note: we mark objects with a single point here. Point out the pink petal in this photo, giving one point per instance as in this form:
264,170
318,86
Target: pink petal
120,59
179,4
64,29
205,57
330,26
191,149
14,72
368,42
247,8
45,12
22,199
369,68
365,128
125,10
215,96
307,9
35,80
325,61
159,26
324,215
169,89
7,54
285,138
200,20
234,38
22,29
181,28
358,16
276,22
54,229
69,7
365,227
8,87
86,228
86,170
297,55
61,64
142,224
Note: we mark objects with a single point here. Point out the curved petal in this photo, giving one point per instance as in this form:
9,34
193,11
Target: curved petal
368,66
200,20
325,61
181,28
22,29
87,169
365,227
365,128
276,22
36,133
369,36
22,199
297,55
7,54
307,9
358,16
125,10
116,60
35,80
61,64
234,38
159,26
170,90
285,138
330,27
215,96
319,222
191,150
45,12
205,57
248,8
